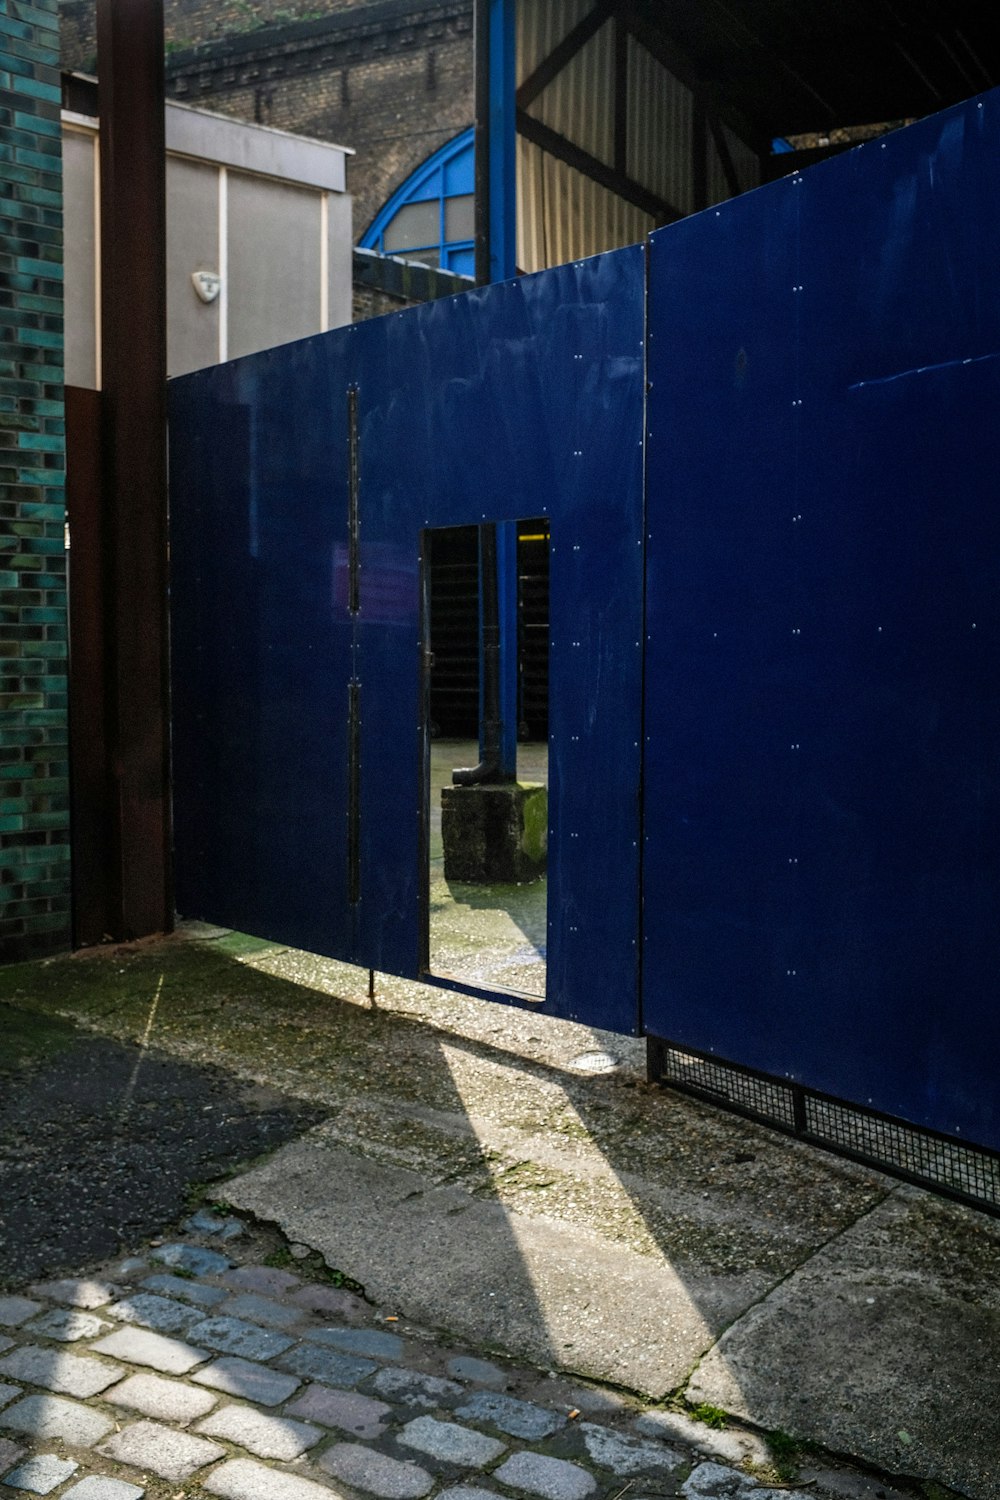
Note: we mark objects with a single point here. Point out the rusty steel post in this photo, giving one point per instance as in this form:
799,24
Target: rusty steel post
134,366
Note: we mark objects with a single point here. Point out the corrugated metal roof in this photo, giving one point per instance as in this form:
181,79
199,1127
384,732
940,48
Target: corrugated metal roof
710,82
580,101
660,125
541,24
563,216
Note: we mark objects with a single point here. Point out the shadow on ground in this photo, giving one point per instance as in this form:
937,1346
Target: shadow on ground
465,1169
102,1142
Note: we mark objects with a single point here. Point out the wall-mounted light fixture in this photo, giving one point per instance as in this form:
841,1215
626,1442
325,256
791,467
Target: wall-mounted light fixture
207,284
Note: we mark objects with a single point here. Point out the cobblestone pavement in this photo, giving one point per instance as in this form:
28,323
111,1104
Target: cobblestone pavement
208,1366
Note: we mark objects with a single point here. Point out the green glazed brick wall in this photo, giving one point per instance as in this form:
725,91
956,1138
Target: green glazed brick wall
34,770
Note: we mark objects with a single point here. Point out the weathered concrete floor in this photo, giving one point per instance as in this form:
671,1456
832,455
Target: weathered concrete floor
588,1224
126,1131
493,936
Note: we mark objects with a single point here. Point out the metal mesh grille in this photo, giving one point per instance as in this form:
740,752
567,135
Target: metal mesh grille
768,1098
945,1165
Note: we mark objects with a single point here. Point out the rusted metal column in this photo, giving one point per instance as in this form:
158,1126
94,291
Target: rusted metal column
134,368
90,783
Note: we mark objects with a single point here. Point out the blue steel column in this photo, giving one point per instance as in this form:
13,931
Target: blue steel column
506,555
502,143
496,200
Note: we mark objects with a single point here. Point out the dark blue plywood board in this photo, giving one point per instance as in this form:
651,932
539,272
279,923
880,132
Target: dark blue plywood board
261,647
822,767
521,400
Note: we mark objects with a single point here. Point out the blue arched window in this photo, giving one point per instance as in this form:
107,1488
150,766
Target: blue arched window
431,218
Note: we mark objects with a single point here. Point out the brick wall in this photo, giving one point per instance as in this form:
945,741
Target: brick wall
34,796
383,284
390,78
189,23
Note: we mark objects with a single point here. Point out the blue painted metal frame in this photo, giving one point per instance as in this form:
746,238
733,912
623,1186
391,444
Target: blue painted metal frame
507,611
514,401
822,772
503,141
447,173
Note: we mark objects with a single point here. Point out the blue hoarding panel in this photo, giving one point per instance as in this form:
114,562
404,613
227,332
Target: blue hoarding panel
822,772
516,401
261,646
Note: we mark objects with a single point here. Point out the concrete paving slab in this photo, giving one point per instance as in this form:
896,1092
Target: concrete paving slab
550,1292
883,1345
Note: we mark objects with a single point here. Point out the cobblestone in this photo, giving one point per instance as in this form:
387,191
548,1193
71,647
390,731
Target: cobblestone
76,1291
551,1478
316,1363
94,1487
167,1400
241,1479
268,1280
9,1454
626,1455
350,1412
714,1481
733,1447
172,1455
16,1310
162,1314
55,1370
375,1473
263,1435
241,1377
187,1291
41,1474
264,1310
204,1222
67,1325
139,1347
411,1388
233,1336
477,1371
54,1417
407,1431
521,1419
192,1258
368,1342
329,1301
451,1443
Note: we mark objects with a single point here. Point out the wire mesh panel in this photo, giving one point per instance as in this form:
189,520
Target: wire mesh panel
946,1165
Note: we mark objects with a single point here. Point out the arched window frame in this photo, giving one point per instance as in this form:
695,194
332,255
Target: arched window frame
447,174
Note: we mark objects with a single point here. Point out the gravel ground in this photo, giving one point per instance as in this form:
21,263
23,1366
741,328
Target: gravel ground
103,1143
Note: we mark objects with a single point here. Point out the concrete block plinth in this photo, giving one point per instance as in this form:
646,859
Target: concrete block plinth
495,833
